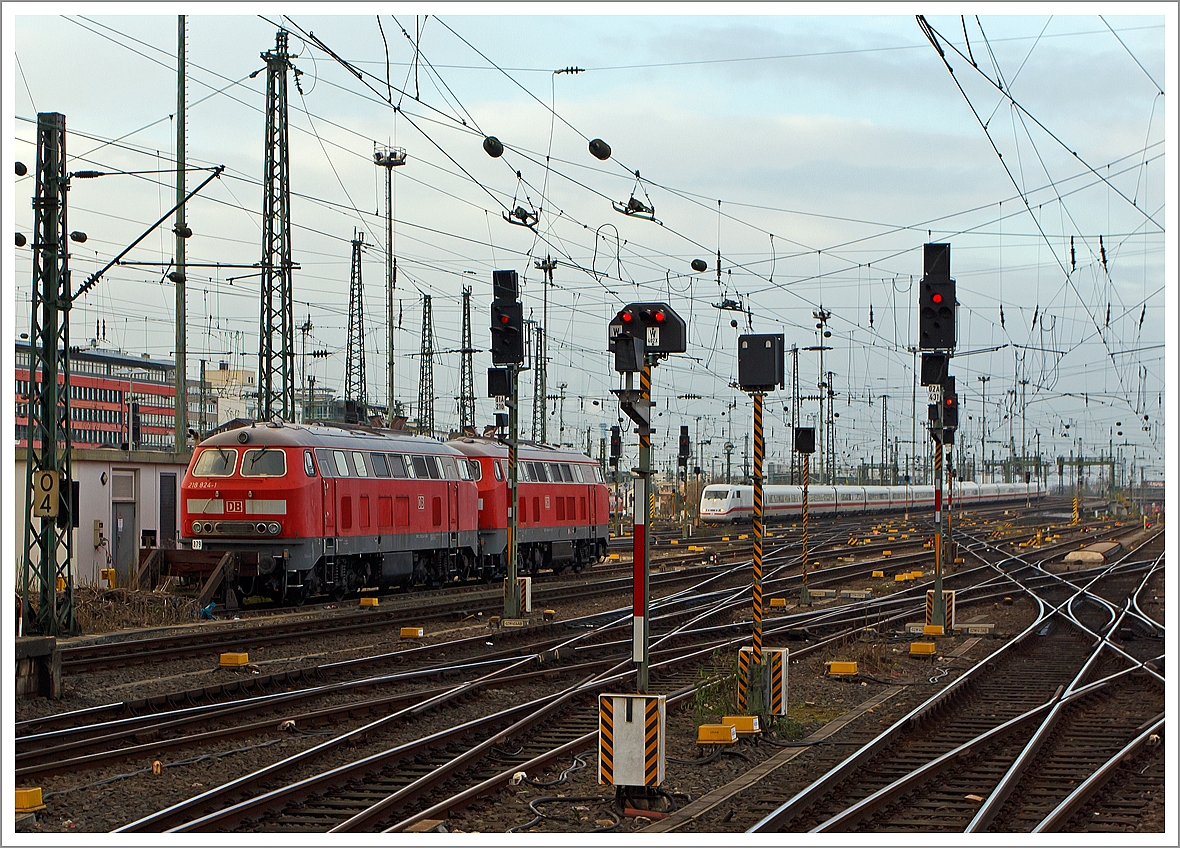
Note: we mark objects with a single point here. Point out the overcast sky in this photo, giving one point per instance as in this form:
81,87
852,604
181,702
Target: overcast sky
817,153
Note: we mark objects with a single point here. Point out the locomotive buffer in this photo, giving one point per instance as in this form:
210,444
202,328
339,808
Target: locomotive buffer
631,726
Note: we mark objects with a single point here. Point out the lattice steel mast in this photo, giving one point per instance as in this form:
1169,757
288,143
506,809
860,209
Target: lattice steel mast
276,347
466,369
354,366
426,374
48,536
539,399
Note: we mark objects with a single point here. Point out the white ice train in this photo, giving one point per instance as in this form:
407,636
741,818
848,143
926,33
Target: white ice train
731,504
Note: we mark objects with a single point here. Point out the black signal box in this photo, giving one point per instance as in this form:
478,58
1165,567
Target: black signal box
505,285
934,369
804,440
498,383
760,361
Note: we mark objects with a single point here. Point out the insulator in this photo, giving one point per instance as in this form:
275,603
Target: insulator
600,149
493,147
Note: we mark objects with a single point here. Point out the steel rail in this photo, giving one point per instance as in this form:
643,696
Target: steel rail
1074,802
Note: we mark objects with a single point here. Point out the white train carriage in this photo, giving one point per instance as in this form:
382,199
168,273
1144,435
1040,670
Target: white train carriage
734,504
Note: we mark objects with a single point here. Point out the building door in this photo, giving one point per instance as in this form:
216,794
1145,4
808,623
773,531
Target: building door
126,547
167,511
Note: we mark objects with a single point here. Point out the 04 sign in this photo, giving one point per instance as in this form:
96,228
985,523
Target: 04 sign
46,500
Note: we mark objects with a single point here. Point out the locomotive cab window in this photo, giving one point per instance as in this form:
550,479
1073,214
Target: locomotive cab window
341,463
308,464
496,466
380,466
432,468
216,462
464,468
358,459
448,466
397,466
264,462
475,470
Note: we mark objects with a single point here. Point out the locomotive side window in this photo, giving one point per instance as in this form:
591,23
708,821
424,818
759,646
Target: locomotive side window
419,463
308,464
555,472
433,469
358,459
578,478
567,473
475,470
496,467
215,462
464,469
449,470
397,466
327,464
341,463
264,462
380,466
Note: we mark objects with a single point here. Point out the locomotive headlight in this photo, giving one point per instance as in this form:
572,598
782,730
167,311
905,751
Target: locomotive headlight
273,528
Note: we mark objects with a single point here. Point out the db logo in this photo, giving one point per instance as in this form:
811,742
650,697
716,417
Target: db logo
421,501
235,506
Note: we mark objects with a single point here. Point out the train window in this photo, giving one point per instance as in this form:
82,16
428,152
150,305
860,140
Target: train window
216,462
498,469
358,460
380,465
577,472
449,470
341,463
524,471
326,463
419,463
308,464
554,470
464,469
264,462
475,470
567,473
433,468
539,473
397,466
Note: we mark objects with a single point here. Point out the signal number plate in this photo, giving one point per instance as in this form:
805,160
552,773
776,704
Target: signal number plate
198,544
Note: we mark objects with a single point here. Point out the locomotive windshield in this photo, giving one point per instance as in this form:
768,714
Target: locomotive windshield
716,494
264,462
215,462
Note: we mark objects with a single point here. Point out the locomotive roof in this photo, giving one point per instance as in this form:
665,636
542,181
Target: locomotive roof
528,450
328,436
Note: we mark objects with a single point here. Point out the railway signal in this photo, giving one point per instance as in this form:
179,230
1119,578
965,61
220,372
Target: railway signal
760,369
805,444
936,299
640,335
508,350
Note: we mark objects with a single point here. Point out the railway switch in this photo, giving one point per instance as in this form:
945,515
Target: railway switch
631,732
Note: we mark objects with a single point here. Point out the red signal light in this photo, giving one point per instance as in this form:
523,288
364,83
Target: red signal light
626,317
659,316
936,297
950,401
504,319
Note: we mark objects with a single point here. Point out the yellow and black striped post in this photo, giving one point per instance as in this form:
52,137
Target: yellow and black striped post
1077,515
651,743
948,547
606,740
804,595
759,528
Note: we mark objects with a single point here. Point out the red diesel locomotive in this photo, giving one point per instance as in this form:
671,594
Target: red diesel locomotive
325,509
